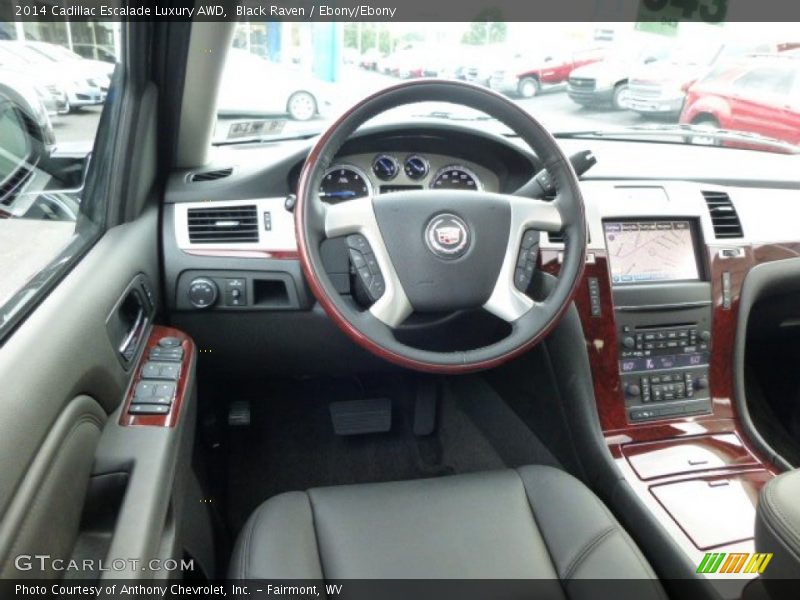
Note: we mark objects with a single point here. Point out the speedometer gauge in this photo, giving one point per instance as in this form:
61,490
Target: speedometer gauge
455,177
344,182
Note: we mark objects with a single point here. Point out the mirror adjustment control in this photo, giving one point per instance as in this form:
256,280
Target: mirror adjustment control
203,292
169,342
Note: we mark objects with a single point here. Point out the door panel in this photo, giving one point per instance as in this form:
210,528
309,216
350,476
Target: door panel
44,515
62,377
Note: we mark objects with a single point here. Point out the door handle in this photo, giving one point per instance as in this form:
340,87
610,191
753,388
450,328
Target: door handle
127,348
129,321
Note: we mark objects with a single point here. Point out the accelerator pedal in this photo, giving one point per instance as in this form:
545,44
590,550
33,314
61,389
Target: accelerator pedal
356,417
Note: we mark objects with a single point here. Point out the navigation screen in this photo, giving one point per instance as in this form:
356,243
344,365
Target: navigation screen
650,251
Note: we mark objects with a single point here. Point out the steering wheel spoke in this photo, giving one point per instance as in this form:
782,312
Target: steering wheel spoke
529,217
356,220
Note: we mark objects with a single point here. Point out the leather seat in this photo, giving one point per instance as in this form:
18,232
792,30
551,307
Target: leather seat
534,522
778,526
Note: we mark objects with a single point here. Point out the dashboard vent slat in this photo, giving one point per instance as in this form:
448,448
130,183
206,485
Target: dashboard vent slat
723,215
230,224
211,175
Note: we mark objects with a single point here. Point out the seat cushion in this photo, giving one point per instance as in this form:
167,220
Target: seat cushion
530,523
778,525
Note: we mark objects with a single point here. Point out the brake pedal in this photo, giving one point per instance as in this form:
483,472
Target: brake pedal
356,417
239,413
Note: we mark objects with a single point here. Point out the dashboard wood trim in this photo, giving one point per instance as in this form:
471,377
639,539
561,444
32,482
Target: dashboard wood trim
745,465
171,418
233,253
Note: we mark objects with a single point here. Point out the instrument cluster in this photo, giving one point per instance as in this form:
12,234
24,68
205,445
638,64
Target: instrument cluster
364,175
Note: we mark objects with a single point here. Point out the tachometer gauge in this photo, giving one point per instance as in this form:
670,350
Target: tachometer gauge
342,183
455,177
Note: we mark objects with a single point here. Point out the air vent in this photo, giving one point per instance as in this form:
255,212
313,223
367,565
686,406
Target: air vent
723,215
224,225
211,175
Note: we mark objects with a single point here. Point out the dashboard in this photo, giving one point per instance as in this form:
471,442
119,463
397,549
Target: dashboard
656,213
683,241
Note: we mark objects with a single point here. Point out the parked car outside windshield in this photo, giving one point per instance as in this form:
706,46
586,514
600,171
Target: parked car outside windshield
574,77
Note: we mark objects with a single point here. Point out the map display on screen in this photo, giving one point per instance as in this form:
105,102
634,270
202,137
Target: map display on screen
650,251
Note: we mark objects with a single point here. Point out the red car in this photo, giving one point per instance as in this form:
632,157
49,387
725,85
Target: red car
760,95
526,77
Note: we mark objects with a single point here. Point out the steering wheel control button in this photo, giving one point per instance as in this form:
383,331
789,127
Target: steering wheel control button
377,287
530,239
358,242
203,292
447,236
357,259
169,342
526,260
366,266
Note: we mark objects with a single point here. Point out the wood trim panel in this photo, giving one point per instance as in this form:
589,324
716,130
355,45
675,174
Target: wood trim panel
664,458
233,253
181,389
719,433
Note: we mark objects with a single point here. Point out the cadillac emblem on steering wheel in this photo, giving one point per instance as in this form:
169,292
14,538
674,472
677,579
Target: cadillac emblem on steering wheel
447,236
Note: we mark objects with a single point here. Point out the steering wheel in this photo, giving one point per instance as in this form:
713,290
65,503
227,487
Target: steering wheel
442,250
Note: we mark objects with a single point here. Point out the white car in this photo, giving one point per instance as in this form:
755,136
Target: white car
81,88
98,71
45,86
254,85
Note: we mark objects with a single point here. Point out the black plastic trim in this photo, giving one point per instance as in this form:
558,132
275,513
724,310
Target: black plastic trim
763,280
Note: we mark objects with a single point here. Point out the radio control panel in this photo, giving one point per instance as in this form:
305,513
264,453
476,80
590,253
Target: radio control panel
664,369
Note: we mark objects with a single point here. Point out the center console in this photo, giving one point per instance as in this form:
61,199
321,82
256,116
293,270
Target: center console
662,314
658,312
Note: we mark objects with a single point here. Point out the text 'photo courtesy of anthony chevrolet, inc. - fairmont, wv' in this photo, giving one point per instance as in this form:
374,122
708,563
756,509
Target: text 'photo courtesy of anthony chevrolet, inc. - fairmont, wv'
475,299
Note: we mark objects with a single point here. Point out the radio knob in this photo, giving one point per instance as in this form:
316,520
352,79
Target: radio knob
629,342
633,390
203,292
705,335
701,383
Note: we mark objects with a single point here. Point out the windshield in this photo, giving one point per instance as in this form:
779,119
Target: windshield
685,81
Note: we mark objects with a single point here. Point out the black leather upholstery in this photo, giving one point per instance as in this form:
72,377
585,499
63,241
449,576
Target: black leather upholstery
778,526
532,523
